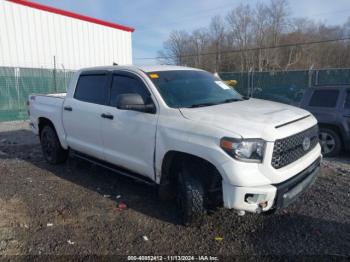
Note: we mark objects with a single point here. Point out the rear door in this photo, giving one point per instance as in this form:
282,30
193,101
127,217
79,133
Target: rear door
347,110
324,104
129,136
82,113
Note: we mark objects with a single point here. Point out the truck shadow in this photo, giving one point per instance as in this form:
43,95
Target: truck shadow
22,144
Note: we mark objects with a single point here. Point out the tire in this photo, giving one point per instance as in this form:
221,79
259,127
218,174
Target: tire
330,142
190,198
51,146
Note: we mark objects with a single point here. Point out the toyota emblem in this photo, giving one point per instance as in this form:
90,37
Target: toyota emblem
306,143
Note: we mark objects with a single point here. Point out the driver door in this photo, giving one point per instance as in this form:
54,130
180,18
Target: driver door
129,136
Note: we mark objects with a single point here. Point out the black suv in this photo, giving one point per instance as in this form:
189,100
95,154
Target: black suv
331,106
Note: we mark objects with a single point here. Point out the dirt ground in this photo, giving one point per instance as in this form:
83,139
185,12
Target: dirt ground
71,209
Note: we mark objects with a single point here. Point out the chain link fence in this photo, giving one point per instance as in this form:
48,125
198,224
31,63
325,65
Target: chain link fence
16,84
285,86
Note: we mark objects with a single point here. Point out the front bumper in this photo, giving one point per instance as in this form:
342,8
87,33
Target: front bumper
264,198
289,190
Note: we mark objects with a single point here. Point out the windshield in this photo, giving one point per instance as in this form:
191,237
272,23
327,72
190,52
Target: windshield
191,88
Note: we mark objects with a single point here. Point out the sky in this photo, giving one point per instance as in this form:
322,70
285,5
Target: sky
153,20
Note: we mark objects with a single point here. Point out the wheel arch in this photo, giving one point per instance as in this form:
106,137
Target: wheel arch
44,121
208,173
55,153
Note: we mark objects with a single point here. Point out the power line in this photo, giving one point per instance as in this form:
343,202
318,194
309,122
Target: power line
247,49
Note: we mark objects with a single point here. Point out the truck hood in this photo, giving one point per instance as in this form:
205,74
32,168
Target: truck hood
253,118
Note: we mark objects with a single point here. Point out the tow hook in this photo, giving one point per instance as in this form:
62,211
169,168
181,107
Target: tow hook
261,205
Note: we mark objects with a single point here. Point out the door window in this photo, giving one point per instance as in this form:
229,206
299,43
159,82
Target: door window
324,98
92,89
128,85
347,101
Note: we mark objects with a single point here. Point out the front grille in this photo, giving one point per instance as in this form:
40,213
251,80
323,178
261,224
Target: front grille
289,149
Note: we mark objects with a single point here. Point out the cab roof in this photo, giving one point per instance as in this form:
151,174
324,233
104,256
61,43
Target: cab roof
164,68
146,69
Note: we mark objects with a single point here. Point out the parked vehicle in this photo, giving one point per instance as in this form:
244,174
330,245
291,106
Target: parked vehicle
331,106
185,131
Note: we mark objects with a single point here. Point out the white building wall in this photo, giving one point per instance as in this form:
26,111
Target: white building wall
32,38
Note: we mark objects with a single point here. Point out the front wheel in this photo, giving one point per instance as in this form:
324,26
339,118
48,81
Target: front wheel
190,198
51,147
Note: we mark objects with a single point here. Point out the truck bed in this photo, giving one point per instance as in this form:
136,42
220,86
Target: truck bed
47,106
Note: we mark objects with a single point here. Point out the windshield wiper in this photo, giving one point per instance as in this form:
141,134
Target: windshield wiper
213,104
218,103
231,100
202,105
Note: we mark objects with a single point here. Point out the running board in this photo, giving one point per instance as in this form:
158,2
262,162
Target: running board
113,168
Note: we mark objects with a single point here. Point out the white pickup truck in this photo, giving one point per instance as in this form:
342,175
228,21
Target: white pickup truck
186,131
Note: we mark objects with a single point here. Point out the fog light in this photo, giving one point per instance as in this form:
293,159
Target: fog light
254,198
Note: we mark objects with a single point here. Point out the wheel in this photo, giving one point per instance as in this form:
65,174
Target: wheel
330,142
190,198
51,147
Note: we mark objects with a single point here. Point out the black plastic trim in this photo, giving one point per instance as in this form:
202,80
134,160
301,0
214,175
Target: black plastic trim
291,183
293,121
94,72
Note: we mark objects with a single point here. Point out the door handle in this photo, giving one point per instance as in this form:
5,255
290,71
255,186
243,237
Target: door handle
68,108
346,115
108,116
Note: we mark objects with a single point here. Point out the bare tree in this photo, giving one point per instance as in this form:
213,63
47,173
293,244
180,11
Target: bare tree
278,22
174,49
199,41
240,27
245,41
260,29
217,34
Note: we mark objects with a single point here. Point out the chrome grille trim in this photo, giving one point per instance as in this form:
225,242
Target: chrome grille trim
290,149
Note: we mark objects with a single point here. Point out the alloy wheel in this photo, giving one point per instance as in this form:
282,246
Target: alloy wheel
327,142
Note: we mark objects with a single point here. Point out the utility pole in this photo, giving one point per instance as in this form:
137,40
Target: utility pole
54,74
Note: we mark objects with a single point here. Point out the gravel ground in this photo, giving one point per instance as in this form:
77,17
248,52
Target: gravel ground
71,209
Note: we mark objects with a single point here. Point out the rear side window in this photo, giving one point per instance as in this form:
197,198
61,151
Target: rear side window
347,100
92,89
324,98
128,85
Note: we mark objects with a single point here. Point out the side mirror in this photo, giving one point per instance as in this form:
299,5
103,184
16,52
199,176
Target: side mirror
134,102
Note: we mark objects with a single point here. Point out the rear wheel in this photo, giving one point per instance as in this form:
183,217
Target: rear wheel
51,147
330,142
190,198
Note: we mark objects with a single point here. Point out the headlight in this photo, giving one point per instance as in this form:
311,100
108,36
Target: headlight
251,150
